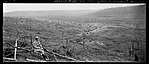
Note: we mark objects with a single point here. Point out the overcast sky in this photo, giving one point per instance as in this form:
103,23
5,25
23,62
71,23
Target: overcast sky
9,7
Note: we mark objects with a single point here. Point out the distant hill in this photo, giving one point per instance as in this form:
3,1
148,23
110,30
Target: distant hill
127,12
49,13
120,13
137,12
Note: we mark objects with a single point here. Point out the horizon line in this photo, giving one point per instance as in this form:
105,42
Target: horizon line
52,7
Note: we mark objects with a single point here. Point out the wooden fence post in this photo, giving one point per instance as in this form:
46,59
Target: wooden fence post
15,51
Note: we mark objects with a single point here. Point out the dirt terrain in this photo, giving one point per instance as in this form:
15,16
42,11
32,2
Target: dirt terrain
107,38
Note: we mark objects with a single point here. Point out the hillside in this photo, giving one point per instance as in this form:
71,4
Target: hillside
49,13
108,37
136,12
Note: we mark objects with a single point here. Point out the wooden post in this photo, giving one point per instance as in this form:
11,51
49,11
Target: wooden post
55,58
31,41
133,51
15,51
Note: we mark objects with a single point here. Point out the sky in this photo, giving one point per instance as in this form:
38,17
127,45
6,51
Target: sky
10,7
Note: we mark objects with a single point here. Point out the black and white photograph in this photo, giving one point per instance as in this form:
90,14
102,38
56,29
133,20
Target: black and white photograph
80,32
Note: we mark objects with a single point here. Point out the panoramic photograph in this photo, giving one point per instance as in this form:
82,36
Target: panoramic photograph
44,32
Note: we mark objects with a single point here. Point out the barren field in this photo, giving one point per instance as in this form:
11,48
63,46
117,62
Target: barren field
107,38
